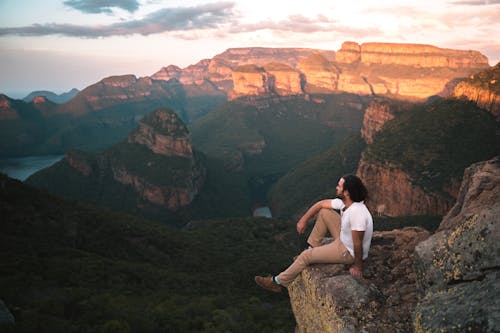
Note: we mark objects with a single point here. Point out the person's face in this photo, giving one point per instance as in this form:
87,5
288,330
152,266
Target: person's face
340,188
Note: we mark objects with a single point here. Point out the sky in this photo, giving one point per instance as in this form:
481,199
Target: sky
59,45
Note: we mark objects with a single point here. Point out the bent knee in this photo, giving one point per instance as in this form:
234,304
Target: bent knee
305,256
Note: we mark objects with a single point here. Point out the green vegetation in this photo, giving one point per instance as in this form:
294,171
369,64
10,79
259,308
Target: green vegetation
316,178
488,79
71,268
288,132
435,142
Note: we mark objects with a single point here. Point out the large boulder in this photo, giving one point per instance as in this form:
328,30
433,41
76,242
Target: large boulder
458,267
325,298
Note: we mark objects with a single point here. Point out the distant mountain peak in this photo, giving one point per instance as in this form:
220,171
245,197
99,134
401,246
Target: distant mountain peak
163,132
51,96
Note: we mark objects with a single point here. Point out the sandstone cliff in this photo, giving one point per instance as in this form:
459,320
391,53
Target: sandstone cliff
284,79
325,298
407,71
163,133
484,89
447,282
320,74
155,168
378,112
250,80
393,192
458,267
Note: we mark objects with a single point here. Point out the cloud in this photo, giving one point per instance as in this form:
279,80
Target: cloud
102,6
303,25
167,19
476,2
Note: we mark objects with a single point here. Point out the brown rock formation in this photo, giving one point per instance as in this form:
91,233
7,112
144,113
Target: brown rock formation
168,197
166,175
458,267
484,89
378,112
191,75
79,161
167,73
350,52
420,55
250,80
163,133
394,193
284,79
6,110
325,298
410,71
321,75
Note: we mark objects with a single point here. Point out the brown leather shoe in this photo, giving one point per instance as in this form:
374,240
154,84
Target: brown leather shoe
268,283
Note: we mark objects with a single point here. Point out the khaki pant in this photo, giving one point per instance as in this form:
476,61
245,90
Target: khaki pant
332,253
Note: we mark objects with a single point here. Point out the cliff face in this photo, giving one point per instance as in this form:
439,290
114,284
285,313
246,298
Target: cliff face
284,79
155,168
458,267
193,74
377,113
393,192
250,80
321,75
484,89
164,134
420,55
409,71
325,298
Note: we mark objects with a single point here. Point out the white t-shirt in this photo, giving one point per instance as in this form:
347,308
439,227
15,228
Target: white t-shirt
356,217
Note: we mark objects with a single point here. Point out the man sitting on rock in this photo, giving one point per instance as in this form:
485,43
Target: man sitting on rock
352,232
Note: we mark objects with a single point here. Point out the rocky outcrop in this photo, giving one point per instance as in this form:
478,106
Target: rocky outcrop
193,74
168,73
483,89
325,298
250,80
321,75
394,193
458,267
155,168
409,71
7,112
284,79
420,55
164,134
378,112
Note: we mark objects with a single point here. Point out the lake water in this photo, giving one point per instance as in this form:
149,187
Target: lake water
262,212
23,167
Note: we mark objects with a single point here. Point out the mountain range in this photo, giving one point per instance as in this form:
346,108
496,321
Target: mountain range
259,113
199,148
53,97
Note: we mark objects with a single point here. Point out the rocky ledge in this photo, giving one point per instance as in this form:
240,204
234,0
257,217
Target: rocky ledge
458,267
325,298
447,282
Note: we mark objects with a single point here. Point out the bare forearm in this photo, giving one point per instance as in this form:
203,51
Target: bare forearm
358,255
302,224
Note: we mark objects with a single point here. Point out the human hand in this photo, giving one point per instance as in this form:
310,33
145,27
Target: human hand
301,226
356,272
